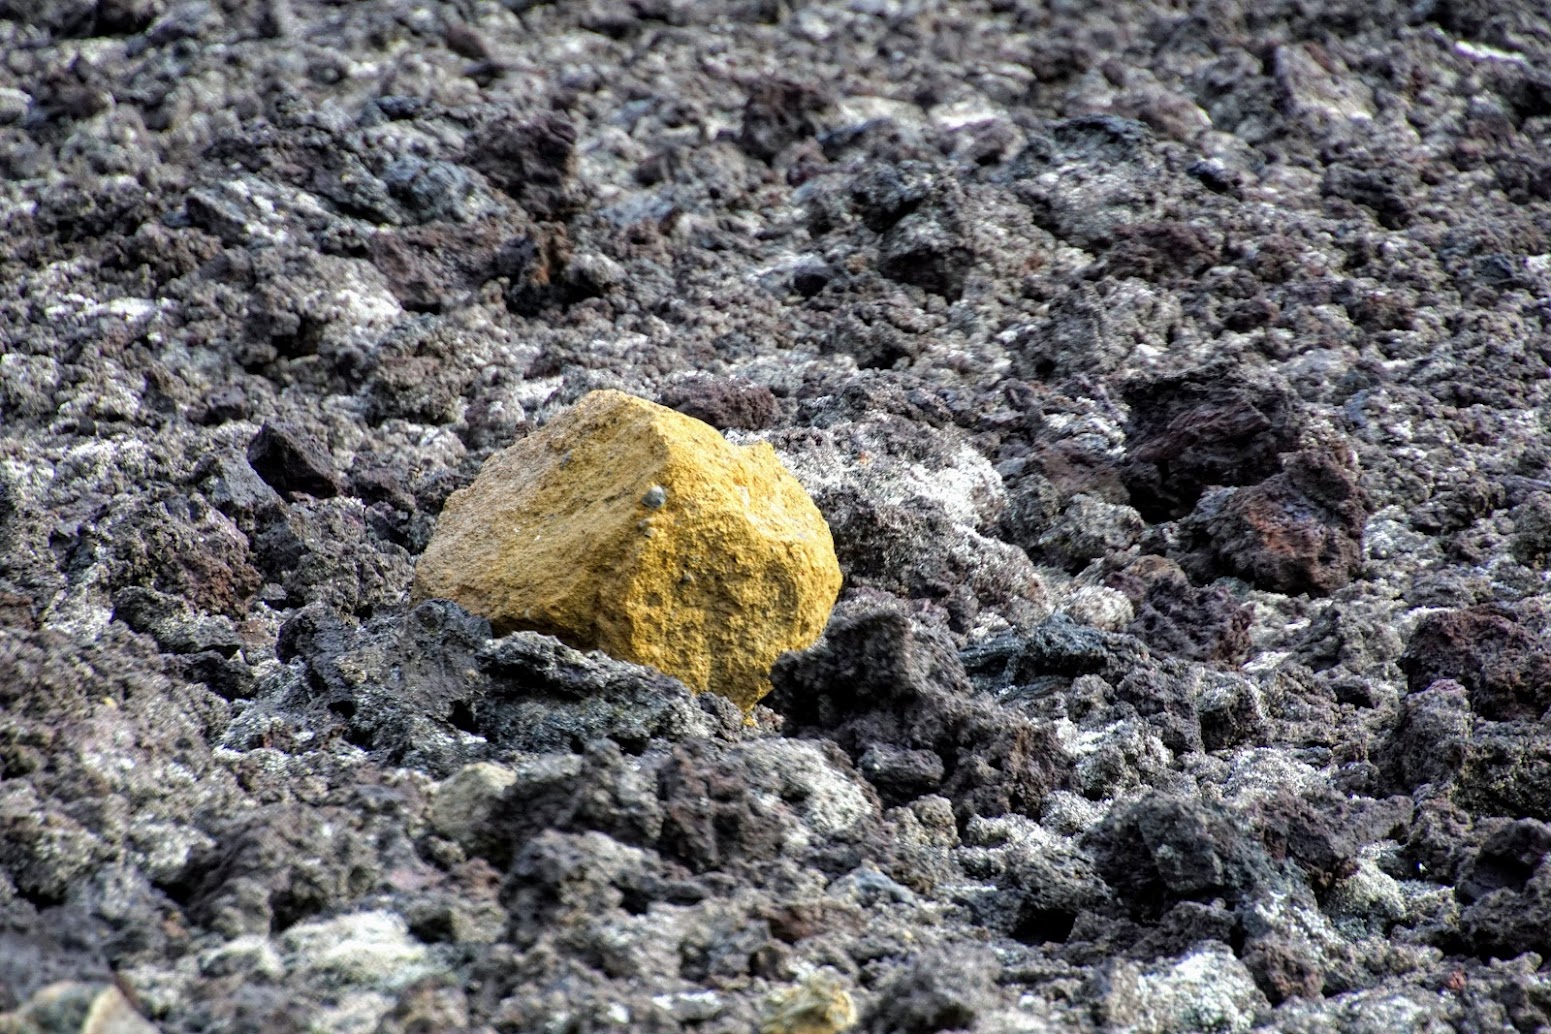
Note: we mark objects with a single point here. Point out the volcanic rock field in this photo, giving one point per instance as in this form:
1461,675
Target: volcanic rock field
1172,378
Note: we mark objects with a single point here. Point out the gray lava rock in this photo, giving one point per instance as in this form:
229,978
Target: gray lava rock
1220,333
938,991
721,403
877,678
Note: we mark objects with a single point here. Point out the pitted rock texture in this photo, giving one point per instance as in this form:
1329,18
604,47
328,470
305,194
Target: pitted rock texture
628,527
1172,376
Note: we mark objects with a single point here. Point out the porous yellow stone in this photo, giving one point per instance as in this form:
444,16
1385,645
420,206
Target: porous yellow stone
628,527
819,1005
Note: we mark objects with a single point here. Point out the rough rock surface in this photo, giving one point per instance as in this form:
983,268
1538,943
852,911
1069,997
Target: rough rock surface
630,528
1174,381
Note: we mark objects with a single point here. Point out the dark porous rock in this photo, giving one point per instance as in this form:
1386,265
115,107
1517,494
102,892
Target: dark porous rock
878,678
1347,637
229,677
399,687
432,267
937,991
67,948
724,404
885,194
1299,531
1283,968
1087,529
777,114
293,460
1507,770
1231,712
901,775
1044,885
1506,893
1057,646
275,867
178,545
1532,531
811,792
1163,251
1460,505
46,852
811,276
429,189
414,387
1033,502
1197,623
577,873
1093,330
173,623
330,551
1184,925
222,406
920,552
928,250
533,160
1507,860
380,482
706,822
873,340
431,688
1503,665
1382,192
873,400
1441,840
234,488
1431,737
1202,428
1324,836
603,791
545,696
545,272
1167,699
1162,850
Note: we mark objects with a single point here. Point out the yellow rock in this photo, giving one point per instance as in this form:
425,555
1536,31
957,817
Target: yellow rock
819,1005
628,527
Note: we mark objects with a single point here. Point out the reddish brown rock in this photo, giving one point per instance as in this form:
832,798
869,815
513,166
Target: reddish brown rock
1299,531
722,402
1502,665
1202,428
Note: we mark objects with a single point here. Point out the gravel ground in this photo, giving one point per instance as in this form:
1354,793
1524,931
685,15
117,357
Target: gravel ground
1173,378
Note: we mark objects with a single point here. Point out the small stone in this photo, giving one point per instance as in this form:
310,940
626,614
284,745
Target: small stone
14,105
1100,607
467,800
1501,663
1299,531
1208,989
733,567
818,1005
292,460
366,949
77,1007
